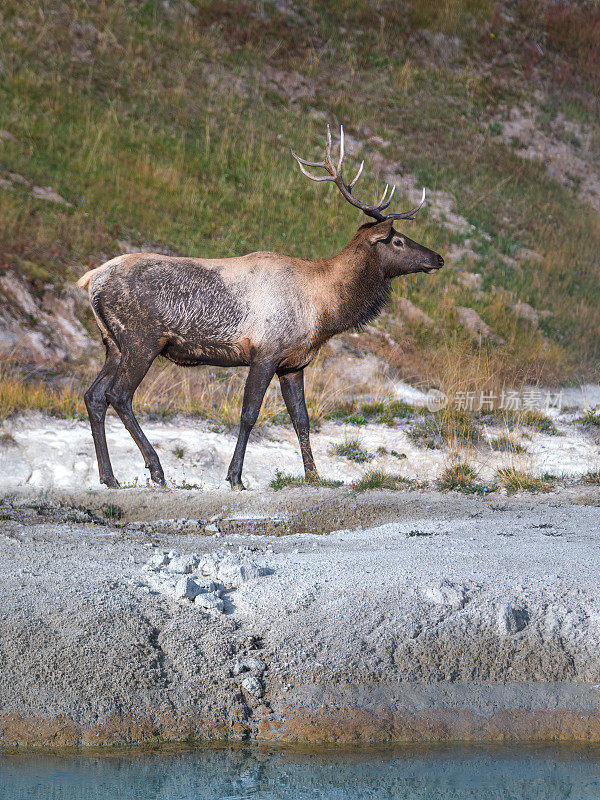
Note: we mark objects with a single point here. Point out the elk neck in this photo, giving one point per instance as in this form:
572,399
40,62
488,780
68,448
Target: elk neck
351,287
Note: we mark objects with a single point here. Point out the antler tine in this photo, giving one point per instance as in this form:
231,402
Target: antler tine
383,196
304,171
409,214
308,163
389,200
328,164
335,176
341,159
360,169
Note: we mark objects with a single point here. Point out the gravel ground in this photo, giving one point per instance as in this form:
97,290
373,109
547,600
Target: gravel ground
319,616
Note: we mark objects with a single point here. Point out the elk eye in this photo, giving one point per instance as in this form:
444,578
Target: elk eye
398,243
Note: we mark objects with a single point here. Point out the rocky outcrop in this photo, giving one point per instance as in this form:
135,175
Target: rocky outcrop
38,330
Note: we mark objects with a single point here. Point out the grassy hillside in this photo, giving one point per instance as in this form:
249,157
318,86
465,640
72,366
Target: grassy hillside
168,124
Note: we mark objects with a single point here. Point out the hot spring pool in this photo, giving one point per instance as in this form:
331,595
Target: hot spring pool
451,773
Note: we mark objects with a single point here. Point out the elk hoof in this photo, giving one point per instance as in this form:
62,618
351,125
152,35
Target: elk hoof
159,479
236,484
111,482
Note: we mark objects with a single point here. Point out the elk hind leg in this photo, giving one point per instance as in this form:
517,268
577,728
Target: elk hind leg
134,365
96,405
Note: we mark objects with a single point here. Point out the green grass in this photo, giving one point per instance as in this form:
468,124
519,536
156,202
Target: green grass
457,476
515,480
506,444
168,128
590,418
352,449
450,427
376,479
382,412
592,478
283,480
112,512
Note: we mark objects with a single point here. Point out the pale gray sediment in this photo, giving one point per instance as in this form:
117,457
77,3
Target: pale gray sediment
428,616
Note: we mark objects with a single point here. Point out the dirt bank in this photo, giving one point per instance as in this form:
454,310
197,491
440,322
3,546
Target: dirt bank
378,617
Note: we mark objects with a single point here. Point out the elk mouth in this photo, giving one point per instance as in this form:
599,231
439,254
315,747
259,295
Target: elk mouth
429,270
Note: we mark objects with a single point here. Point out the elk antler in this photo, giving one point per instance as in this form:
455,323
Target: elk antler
335,175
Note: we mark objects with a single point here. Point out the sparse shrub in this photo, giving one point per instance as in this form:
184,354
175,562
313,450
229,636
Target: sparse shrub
592,478
112,512
504,444
377,479
448,427
539,422
383,412
351,449
178,452
457,476
590,418
283,479
515,480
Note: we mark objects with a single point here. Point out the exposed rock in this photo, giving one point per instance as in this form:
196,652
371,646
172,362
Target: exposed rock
18,178
209,601
525,311
472,280
45,331
249,665
471,321
446,594
567,149
253,686
512,619
231,570
413,313
183,564
48,193
186,589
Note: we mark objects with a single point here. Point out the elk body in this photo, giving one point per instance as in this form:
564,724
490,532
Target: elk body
266,311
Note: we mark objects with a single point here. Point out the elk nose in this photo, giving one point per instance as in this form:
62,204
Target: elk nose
440,261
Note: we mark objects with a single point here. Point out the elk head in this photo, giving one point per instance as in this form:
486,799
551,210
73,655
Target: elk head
396,253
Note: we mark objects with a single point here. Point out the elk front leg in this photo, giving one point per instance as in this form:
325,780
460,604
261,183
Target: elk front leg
292,389
257,382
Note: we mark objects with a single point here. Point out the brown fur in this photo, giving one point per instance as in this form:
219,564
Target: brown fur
268,311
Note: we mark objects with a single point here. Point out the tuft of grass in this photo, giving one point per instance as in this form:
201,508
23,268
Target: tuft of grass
283,480
178,452
450,427
352,449
592,478
504,444
590,418
377,479
457,476
112,512
18,395
383,412
539,422
515,480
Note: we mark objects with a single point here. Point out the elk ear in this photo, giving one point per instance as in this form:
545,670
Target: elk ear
380,232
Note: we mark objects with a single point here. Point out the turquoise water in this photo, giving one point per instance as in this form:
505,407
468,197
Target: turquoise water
229,774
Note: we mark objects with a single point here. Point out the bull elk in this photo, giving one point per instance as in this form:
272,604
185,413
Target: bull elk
265,311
